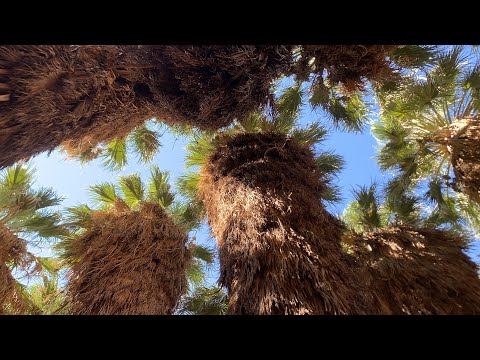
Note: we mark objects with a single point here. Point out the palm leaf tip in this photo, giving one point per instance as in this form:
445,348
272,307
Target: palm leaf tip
145,143
115,154
103,193
133,189
159,187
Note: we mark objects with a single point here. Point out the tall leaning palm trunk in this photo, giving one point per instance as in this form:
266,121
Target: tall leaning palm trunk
129,263
279,249
462,139
80,96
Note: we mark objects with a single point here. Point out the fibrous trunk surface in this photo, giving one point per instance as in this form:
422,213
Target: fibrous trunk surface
465,149
418,272
80,96
279,249
349,65
129,263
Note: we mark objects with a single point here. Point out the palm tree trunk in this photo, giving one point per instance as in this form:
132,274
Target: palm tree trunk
279,249
85,95
417,272
129,263
465,151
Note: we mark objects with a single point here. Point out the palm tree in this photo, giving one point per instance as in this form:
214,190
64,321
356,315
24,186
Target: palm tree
262,188
351,66
130,256
46,297
24,212
430,128
409,266
82,96
339,77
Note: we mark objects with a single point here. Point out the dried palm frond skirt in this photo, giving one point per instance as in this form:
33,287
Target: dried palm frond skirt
279,249
128,262
348,65
12,250
465,149
80,96
417,272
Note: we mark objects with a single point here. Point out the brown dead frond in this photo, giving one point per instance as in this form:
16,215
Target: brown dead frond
413,271
348,65
129,262
80,96
279,248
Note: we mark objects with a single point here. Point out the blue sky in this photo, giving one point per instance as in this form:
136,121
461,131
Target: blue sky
71,179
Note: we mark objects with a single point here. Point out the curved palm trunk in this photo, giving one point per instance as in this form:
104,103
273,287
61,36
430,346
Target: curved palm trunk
412,271
279,249
464,146
130,263
12,249
84,95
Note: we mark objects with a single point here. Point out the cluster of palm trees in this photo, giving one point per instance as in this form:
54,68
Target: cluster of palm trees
256,176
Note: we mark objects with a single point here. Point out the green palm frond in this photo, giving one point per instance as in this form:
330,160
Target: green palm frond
114,155
199,149
446,214
187,215
405,208
434,194
311,135
204,301
331,193
133,189
43,224
187,184
414,56
46,197
362,214
78,215
17,177
448,67
330,163
252,122
105,193
347,112
469,210
196,273
159,187
203,253
288,105
49,264
145,143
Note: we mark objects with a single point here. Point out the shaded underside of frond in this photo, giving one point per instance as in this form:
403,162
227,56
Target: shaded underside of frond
204,301
279,249
128,262
348,65
80,96
465,150
12,250
417,271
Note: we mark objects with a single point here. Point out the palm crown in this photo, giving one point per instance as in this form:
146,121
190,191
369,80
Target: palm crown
419,131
